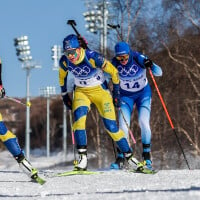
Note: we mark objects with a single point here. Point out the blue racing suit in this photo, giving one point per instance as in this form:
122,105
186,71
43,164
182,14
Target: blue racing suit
135,90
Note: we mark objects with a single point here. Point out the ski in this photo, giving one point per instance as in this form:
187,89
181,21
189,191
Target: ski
38,179
71,173
76,172
144,171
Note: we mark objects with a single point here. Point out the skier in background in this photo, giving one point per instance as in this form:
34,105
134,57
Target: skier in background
134,90
11,143
88,66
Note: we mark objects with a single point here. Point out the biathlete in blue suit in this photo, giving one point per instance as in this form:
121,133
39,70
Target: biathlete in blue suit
134,90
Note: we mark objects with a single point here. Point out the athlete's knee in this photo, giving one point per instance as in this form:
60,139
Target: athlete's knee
80,124
80,112
110,125
80,118
116,136
8,135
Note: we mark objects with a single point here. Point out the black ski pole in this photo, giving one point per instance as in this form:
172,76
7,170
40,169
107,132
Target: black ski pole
116,27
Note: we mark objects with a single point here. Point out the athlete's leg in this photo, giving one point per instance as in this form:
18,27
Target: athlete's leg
144,111
11,143
124,116
81,105
9,139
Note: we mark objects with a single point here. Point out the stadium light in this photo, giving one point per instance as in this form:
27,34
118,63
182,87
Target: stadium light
97,21
23,52
56,54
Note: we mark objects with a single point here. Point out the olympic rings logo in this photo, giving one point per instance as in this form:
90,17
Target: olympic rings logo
78,71
123,71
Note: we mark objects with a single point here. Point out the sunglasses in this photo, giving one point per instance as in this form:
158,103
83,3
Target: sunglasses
70,52
122,58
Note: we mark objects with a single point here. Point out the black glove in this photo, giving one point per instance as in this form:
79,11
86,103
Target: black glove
67,101
148,63
116,96
2,92
83,42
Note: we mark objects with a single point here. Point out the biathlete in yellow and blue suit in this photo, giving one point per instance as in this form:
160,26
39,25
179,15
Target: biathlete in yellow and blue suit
10,141
88,68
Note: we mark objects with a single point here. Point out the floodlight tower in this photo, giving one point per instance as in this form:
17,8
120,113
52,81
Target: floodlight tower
97,21
23,53
57,51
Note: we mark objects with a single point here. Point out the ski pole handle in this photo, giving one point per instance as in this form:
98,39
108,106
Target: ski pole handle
73,24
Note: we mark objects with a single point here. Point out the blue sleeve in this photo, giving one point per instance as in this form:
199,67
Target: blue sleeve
98,58
139,58
156,70
63,72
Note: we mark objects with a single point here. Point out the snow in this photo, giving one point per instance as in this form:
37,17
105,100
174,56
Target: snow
110,185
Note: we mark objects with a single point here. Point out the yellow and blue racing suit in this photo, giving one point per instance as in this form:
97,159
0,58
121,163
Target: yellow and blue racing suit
9,139
91,87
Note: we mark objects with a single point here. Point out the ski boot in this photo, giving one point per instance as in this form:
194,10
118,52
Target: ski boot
28,169
133,162
82,163
119,163
147,160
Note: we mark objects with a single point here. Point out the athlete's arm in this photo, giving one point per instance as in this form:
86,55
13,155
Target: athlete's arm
112,71
63,73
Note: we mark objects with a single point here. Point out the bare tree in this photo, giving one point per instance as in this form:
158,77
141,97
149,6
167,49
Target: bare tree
183,47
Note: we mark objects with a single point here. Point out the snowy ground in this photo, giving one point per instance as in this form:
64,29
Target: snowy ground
110,185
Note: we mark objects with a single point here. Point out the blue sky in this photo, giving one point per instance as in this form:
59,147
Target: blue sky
44,22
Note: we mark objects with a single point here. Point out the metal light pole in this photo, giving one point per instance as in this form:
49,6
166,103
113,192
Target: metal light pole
105,19
24,56
47,93
56,54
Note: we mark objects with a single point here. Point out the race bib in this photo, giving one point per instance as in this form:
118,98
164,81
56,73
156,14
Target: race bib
97,79
134,85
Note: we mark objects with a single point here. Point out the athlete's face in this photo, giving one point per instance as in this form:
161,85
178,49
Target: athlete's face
123,59
73,54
